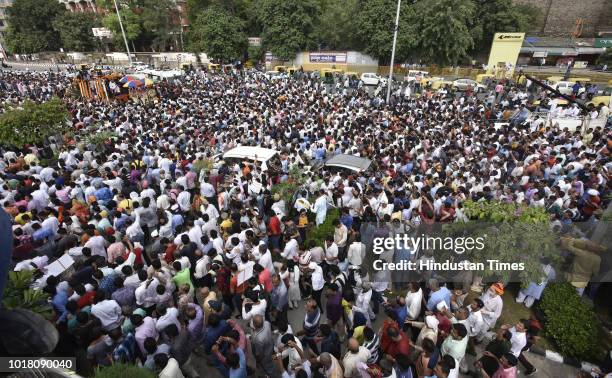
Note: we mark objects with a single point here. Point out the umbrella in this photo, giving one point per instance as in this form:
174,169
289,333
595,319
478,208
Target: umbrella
133,84
127,79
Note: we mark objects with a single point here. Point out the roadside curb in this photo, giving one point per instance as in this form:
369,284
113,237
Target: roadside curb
556,357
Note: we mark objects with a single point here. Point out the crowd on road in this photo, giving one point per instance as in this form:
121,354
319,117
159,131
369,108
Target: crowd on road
169,254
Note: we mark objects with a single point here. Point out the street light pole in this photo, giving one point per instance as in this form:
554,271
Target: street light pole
390,81
123,32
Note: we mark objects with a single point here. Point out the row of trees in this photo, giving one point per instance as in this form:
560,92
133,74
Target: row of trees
439,31
46,25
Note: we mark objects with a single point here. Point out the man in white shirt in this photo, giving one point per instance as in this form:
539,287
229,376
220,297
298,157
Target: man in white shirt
317,281
331,251
97,245
166,316
493,304
263,257
356,354
257,307
519,337
356,252
290,252
107,310
414,299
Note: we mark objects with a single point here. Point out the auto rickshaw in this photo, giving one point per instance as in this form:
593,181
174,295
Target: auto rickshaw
281,68
292,70
214,67
481,77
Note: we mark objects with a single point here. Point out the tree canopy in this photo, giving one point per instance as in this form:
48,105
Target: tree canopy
219,34
75,30
30,26
433,31
288,26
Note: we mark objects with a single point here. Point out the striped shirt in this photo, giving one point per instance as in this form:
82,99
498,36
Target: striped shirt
311,323
373,346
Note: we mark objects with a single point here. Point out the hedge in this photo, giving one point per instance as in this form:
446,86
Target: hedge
570,322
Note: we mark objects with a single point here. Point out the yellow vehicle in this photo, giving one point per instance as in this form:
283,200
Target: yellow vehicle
603,98
580,79
480,77
281,68
214,67
554,79
292,70
560,102
441,84
330,70
83,67
430,80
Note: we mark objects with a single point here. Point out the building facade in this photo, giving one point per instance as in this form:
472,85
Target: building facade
571,18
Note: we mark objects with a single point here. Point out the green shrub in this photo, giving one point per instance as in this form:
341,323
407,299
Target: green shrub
32,123
320,233
570,322
123,371
18,294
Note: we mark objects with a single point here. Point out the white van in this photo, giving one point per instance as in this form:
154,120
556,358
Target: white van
262,155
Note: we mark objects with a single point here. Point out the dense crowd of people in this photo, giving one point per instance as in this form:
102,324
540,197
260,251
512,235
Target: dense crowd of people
170,256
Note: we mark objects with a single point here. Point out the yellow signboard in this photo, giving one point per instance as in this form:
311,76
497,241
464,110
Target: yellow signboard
505,50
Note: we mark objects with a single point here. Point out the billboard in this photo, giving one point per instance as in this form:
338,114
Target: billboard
505,50
102,32
327,57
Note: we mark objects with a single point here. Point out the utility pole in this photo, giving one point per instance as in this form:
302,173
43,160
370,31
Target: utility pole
123,32
390,81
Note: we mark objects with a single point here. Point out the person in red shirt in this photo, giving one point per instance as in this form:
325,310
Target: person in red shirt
274,231
86,298
235,289
395,343
264,277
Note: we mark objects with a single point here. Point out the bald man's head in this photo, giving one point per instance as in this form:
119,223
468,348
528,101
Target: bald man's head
353,345
325,359
258,321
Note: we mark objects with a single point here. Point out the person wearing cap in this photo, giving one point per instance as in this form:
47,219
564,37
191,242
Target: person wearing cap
493,304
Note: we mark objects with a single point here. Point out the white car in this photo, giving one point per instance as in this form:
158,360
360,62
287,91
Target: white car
565,87
369,78
274,75
464,84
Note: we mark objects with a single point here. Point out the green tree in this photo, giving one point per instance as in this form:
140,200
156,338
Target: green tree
494,16
131,24
288,26
374,25
337,29
148,23
32,123
443,30
75,31
511,234
219,34
30,26
155,16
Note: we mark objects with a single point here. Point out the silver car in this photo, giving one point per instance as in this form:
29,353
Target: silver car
463,84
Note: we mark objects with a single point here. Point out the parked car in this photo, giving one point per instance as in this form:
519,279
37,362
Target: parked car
347,163
464,84
370,78
565,87
274,75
